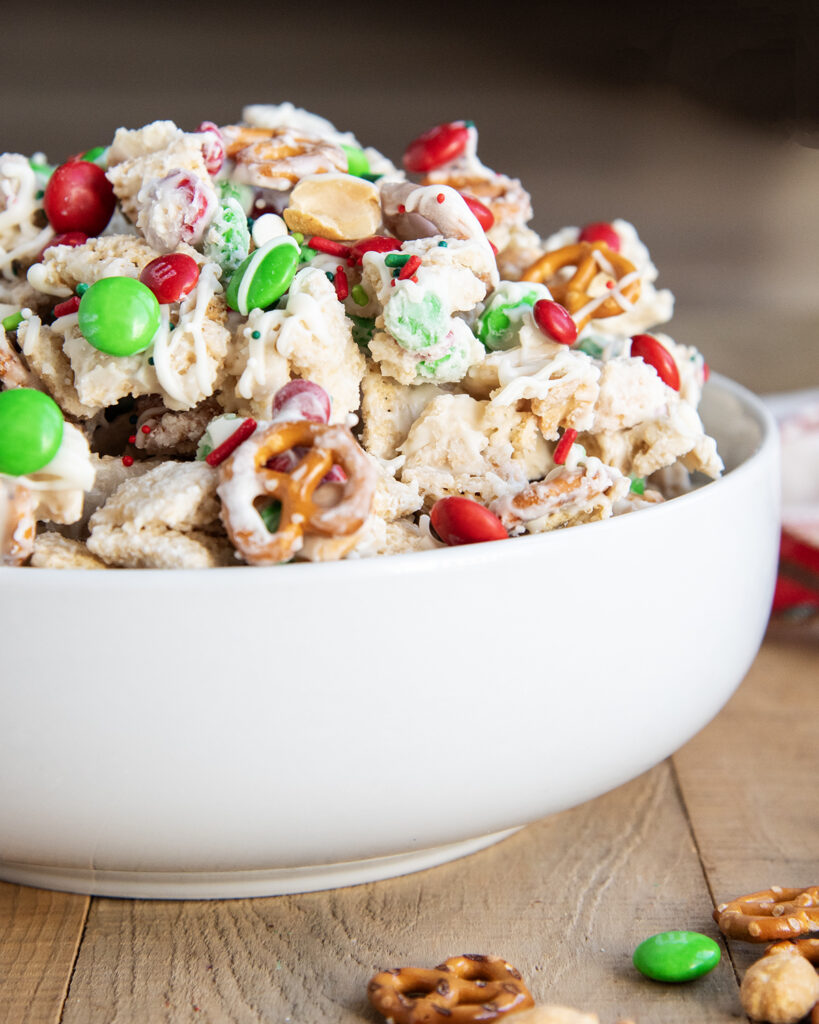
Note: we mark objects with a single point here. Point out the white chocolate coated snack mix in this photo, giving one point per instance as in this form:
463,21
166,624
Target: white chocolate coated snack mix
263,342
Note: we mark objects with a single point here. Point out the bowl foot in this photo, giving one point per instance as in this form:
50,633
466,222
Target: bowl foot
207,885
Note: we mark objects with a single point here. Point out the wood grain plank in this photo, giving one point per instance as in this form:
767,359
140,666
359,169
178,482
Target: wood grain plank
748,781
565,900
40,933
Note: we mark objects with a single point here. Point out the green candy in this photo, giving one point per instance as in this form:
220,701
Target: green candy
499,324
363,328
264,276
415,325
227,240
357,162
119,316
31,429
676,956
591,348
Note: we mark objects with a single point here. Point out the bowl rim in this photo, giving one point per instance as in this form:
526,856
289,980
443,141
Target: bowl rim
424,561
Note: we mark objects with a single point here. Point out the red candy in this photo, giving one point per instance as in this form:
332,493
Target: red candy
436,147
464,521
483,214
230,444
601,232
213,146
171,277
68,307
72,238
341,284
376,243
653,352
555,321
78,197
302,400
562,447
197,199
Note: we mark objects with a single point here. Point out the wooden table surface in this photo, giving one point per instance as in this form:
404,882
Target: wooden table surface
566,900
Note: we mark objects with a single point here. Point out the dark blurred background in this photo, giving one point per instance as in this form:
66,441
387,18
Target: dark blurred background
699,122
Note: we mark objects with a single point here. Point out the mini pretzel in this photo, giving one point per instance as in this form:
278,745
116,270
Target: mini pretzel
461,990
589,258
770,915
245,478
278,157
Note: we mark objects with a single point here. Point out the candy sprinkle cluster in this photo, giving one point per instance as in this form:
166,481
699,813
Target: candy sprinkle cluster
262,341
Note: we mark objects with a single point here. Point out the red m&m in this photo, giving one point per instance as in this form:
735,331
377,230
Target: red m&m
483,214
600,231
459,520
653,352
555,321
436,147
78,197
170,277
302,400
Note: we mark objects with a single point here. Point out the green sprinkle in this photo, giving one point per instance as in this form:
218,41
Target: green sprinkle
272,515
638,485
360,296
396,259
203,451
12,322
443,245
92,155
39,193
469,124
256,334
298,237
371,177
81,289
150,360
330,276
357,162
591,348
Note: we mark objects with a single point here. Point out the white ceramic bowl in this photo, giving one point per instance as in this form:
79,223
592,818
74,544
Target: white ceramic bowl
240,732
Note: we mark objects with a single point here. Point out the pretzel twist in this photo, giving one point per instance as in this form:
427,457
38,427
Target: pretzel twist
245,478
588,259
770,915
461,990
273,157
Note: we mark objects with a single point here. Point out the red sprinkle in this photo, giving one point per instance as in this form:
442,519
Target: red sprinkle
132,439
376,243
409,268
600,231
328,246
341,283
706,372
459,520
483,214
563,446
69,306
145,429
493,247
436,147
229,446
555,321
653,352
440,197
402,208
127,460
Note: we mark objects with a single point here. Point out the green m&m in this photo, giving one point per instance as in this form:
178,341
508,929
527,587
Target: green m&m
676,956
119,316
264,276
31,429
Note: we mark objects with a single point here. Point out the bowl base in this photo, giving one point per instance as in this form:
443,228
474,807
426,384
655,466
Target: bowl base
209,885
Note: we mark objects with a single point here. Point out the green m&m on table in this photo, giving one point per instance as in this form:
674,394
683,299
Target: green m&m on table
31,429
676,956
264,276
119,316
